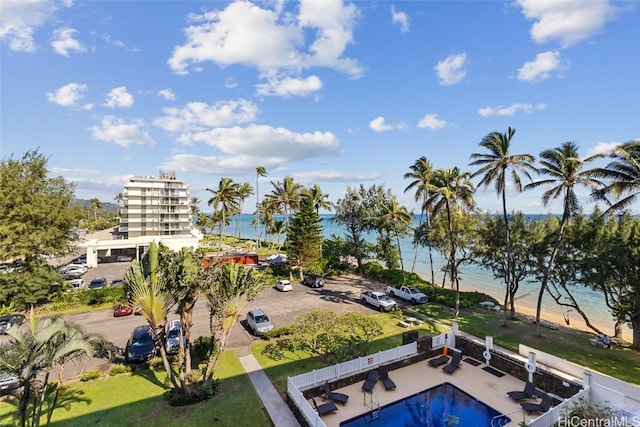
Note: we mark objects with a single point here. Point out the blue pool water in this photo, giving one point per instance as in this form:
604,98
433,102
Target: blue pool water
444,405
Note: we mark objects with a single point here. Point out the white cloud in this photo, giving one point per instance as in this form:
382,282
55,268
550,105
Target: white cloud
107,38
511,110
541,67
290,86
121,133
230,83
67,95
119,97
167,94
431,121
336,176
21,18
199,116
273,41
63,42
602,148
451,69
400,18
378,125
569,22
242,148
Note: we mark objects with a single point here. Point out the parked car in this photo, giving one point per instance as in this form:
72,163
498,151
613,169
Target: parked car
172,343
120,310
8,383
74,272
258,322
97,283
284,286
140,346
83,265
117,282
76,284
9,320
313,281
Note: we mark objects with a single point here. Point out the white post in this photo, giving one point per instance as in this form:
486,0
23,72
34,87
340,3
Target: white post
530,366
488,344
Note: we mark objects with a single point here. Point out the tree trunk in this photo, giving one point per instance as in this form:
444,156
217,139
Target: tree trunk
547,273
507,271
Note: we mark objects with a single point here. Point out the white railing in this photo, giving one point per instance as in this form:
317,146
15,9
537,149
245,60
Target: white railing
550,417
353,367
553,362
306,410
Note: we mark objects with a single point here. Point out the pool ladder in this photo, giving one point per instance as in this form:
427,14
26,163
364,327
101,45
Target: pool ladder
373,405
501,420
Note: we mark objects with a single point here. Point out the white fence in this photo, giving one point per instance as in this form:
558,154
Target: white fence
550,417
553,362
352,367
299,383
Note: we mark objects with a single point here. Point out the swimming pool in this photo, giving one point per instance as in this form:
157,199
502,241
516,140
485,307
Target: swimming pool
444,405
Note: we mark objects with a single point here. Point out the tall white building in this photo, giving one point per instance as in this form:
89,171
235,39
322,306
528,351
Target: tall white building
155,207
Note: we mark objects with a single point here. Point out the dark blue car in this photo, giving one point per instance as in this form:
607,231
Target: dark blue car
140,346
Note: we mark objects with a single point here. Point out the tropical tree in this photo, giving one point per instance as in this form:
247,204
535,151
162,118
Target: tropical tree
494,166
203,221
95,206
320,200
119,198
35,353
304,237
624,172
565,170
260,171
287,194
450,189
244,191
399,219
228,289
146,292
421,173
194,209
226,198
352,213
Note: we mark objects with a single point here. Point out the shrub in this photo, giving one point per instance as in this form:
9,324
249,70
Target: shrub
204,347
91,375
194,376
156,363
119,369
278,332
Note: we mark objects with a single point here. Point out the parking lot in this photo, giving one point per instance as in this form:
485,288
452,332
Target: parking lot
339,295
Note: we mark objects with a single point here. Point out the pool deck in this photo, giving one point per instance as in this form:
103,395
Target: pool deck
486,387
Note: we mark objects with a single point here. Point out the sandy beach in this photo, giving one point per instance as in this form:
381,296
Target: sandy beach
553,313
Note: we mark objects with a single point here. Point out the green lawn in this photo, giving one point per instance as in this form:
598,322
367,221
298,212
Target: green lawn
136,400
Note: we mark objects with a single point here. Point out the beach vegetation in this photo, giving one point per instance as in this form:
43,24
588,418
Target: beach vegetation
304,238
564,170
623,173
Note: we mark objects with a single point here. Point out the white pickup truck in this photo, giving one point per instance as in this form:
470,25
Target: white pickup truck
380,300
407,293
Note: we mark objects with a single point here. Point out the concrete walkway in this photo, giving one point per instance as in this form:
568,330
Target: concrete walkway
279,412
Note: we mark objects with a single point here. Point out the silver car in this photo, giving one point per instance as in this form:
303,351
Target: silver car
258,322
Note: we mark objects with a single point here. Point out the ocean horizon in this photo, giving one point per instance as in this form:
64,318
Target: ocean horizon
472,276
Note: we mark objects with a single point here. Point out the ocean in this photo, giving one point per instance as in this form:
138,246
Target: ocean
472,277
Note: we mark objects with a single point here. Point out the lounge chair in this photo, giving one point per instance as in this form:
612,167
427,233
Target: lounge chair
527,393
438,361
324,408
452,366
335,396
370,381
383,374
543,406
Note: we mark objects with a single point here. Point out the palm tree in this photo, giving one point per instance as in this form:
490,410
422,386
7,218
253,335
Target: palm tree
450,189
95,205
194,210
35,353
624,172
494,166
227,290
118,198
203,220
244,191
421,173
565,169
320,200
225,197
287,193
154,302
399,218
260,171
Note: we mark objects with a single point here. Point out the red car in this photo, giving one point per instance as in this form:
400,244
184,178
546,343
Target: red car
122,310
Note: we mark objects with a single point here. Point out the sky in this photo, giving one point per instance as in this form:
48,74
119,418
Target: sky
328,92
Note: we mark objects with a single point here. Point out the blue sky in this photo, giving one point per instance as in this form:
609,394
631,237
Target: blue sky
328,92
